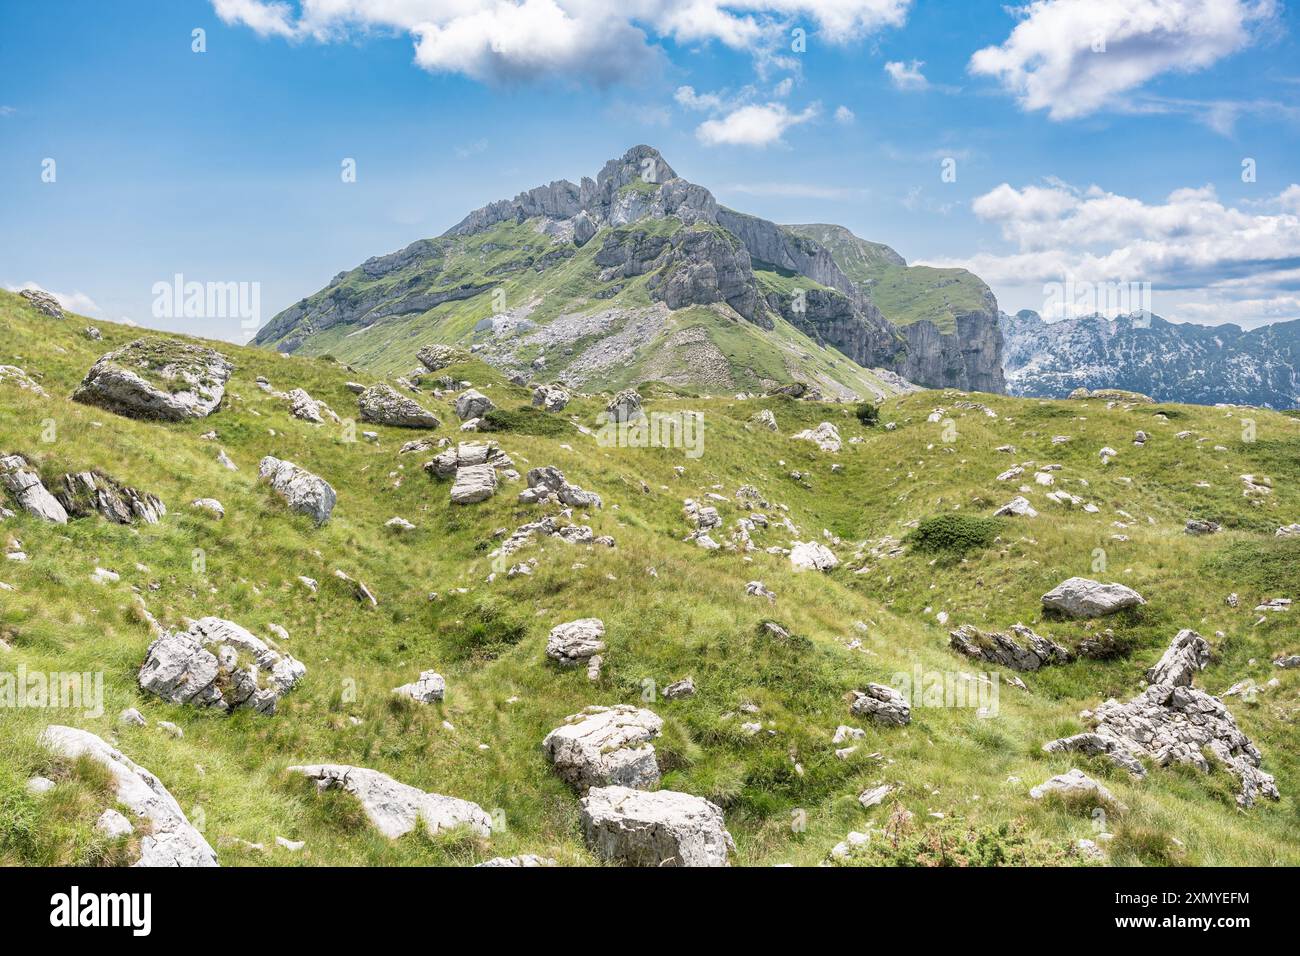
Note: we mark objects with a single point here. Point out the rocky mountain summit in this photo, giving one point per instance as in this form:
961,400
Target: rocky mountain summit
1171,362
640,275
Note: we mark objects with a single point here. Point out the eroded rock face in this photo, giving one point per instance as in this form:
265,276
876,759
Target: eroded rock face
93,492
218,664
23,482
882,704
605,746
1082,598
162,379
383,405
396,808
1174,723
171,840
304,492
660,828
1025,651
575,641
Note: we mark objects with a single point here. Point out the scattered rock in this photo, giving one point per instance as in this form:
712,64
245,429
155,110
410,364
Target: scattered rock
22,481
437,357
882,704
211,505
551,398
93,492
1187,654
474,483
170,840
13,375
525,859
1199,526
574,642
682,688
113,825
625,407
473,404
396,808
660,828
825,435
1075,783
1018,505
812,556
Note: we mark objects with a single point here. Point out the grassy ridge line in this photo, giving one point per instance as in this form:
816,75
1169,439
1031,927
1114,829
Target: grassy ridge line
692,618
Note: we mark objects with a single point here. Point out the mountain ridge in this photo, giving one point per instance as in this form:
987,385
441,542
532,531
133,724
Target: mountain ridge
601,255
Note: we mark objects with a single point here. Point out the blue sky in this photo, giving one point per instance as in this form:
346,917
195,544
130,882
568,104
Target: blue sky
1121,164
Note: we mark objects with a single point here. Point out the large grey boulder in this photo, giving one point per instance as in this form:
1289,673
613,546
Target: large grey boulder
575,642
305,493
21,480
218,664
551,398
383,405
397,808
43,303
473,404
882,704
812,556
659,828
474,483
163,379
603,746
447,463
171,840
1186,655
1025,651
1081,597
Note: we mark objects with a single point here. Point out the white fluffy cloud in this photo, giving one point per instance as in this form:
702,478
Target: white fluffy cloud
1202,258
1074,57
907,76
591,39
754,125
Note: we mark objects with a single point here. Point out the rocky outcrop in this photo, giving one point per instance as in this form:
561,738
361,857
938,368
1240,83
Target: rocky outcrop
170,840
661,828
383,405
1082,598
968,358
1173,722
394,808
604,746
625,406
812,556
305,493
1026,651
93,492
882,704
218,664
430,688
551,398
826,436
13,375
577,641
852,325
162,379
437,357
43,303
24,484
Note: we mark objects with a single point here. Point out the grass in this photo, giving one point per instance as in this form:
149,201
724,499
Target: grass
691,618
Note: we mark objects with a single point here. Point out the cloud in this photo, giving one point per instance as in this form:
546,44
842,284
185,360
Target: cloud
907,76
77,302
511,40
7,111
844,116
758,125
1074,57
707,102
1192,243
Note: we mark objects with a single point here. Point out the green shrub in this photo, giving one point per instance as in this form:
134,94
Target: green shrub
867,413
954,534
524,420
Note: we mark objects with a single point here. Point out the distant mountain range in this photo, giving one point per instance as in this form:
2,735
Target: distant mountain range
1171,362
640,275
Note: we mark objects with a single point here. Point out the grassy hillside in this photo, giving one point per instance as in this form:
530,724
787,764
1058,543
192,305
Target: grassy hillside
905,294
787,797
